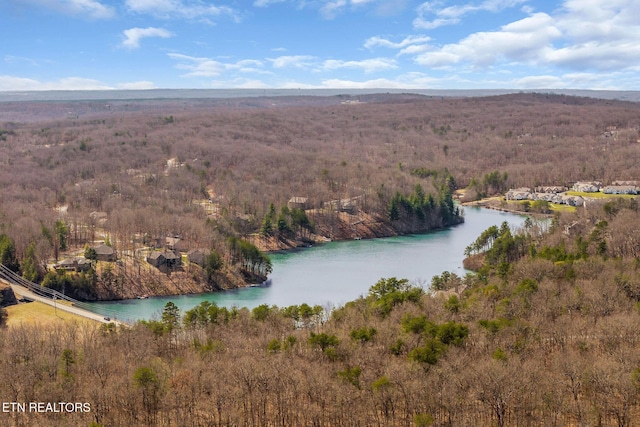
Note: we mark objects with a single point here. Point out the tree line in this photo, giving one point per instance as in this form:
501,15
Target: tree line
546,332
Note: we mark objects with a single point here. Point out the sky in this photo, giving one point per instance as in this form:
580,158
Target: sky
315,44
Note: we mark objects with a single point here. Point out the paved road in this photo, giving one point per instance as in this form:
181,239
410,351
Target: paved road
24,292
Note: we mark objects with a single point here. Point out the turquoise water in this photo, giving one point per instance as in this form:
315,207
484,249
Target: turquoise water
337,272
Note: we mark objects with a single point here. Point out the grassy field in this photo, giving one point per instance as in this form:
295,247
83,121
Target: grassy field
561,208
40,313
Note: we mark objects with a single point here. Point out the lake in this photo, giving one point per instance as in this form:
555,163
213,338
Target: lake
337,272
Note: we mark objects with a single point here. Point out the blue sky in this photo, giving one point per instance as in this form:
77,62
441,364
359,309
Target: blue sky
395,44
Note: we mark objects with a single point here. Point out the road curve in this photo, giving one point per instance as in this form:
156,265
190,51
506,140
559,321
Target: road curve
24,292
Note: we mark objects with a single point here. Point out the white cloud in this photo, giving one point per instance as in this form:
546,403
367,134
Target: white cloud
412,80
134,35
329,9
591,81
239,83
432,15
198,67
207,67
265,3
539,82
598,35
400,83
188,9
414,50
333,7
88,8
367,84
293,61
367,65
581,35
375,41
525,40
13,83
141,85
12,59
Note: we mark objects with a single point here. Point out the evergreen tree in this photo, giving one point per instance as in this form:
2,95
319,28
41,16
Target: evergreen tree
8,253
30,270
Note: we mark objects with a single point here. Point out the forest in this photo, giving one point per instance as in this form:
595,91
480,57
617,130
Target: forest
216,175
544,332
220,175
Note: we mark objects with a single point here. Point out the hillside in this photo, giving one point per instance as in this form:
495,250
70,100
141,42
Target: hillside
546,333
207,172
224,175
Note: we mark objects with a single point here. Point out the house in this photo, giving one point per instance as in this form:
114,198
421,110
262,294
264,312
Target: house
551,189
298,203
587,187
73,264
105,253
519,194
572,200
176,244
620,189
348,205
164,259
547,197
197,256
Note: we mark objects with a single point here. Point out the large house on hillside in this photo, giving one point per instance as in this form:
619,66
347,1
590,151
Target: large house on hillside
164,259
105,253
176,244
73,264
197,256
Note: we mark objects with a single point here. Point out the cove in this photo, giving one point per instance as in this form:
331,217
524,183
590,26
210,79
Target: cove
334,273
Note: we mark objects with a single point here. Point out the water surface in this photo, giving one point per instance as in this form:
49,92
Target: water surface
337,272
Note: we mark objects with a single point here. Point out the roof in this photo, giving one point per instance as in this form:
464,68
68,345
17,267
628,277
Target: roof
297,199
171,255
172,241
155,255
104,250
197,251
165,254
72,262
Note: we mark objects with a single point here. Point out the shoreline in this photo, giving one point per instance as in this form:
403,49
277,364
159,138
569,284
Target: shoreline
291,249
485,203
374,232
323,242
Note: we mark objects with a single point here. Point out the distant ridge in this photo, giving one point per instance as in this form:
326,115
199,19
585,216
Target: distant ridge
91,95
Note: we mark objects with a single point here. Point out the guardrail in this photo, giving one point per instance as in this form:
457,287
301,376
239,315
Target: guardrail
11,277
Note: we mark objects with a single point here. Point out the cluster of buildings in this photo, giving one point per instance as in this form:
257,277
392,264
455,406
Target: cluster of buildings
79,264
168,258
549,194
557,194
616,187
